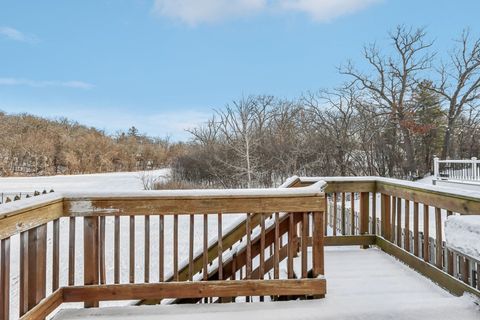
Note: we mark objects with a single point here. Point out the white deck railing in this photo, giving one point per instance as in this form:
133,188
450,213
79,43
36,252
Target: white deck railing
462,171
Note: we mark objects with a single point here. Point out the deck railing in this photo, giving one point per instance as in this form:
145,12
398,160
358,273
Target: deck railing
156,245
405,219
456,170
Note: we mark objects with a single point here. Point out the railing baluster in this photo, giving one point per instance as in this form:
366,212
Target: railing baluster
262,247
116,251
374,213
191,246
416,239
71,251
426,234
291,248
55,254
276,252
304,244
205,247
399,222
147,249
438,239
175,247
343,226
248,263
364,213
132,249
101,248
24,272
450,254
41,263
325,213
220,246
386,227
161,248
393,220
352,212
334,214
407,225
5,278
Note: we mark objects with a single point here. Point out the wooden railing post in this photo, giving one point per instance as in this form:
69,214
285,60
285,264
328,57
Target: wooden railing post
90,254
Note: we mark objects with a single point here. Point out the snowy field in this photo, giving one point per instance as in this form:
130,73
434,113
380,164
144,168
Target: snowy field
374,287
117,181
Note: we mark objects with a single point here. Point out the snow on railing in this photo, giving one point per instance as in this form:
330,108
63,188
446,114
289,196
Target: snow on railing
462,171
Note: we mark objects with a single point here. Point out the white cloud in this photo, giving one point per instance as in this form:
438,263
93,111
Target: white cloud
194,12
325,10
43,84
16,35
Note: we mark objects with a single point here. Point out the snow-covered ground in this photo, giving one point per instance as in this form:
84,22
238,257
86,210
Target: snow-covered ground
361,284
117,181
463,235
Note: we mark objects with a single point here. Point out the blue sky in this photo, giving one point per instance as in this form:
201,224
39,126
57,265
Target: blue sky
163,65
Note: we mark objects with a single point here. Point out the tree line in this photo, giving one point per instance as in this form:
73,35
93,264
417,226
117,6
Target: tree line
31,145
388,119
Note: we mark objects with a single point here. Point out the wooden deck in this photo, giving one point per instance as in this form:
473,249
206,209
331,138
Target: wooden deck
375,286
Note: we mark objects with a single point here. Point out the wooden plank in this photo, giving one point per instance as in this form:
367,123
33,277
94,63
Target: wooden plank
465,265
318,245
325,213
21,220
5,278
304,245
364,212
220,245
407,225
416,235
45,307
426,234
444,280
90,255
450,256
175,247
55,254
374,213
386,227
41,262
352,213
394,219
276,252
24,272
438,239
248,233
116,251
291,245
334,225
350,186
205,247
71,251
147,250
179,205
31,299
360,240
191,235
101,250
262,247
161,249
399,222
132,249
343,217
196,289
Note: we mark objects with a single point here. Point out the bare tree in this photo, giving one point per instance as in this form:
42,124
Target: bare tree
459,84
392,80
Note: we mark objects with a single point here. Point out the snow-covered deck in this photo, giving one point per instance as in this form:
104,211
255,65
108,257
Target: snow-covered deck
361,284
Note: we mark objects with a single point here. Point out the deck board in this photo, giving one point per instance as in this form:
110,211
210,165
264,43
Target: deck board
361,284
